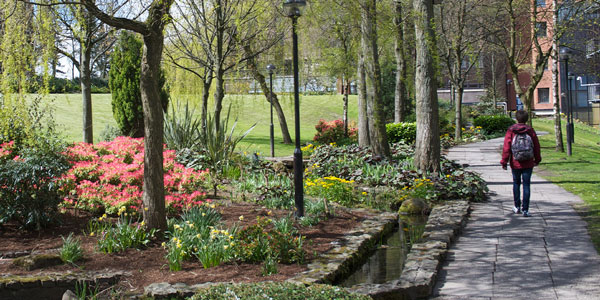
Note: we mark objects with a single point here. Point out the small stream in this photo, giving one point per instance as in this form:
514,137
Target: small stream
387,260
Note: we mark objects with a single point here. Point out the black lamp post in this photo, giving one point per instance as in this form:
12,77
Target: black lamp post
569,91
293,9
508,83
564,55
271,69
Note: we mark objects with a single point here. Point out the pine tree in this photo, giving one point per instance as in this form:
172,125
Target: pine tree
124,82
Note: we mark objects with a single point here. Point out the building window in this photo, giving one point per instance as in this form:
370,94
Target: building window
540,29
540,3
543,95
592,47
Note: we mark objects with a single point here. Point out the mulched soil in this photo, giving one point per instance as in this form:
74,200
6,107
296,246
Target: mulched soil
149,265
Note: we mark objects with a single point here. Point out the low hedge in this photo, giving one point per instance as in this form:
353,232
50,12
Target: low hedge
493,124
397,132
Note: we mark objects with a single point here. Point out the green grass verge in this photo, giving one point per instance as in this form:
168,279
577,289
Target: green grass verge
579,173
248,109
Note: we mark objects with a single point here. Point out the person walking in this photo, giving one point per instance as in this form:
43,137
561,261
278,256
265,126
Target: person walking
522,151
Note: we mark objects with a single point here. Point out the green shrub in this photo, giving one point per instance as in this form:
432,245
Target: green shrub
276,291
401,132
493,124
30,193
256,243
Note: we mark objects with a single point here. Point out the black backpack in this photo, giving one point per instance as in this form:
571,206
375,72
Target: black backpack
522,147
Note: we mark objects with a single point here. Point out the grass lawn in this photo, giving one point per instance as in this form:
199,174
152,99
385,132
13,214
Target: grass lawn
580,173
249,109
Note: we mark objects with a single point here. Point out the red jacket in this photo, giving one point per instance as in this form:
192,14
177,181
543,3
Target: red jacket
507,153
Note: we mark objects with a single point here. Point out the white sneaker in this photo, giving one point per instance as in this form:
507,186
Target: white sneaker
516,210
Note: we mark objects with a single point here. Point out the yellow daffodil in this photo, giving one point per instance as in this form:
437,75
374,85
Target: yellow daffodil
241,218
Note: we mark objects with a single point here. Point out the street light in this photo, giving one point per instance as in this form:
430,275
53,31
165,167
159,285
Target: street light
508,83
570,82
564,55
293,9
271,69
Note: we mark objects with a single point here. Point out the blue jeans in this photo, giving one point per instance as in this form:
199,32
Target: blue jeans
525,174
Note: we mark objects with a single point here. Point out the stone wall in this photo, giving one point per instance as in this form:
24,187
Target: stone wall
53,286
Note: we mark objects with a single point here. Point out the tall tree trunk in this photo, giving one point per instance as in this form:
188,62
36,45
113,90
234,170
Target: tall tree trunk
494,84
555,92
206,83
266,91
457,113
86,92
346,86
219,62
154,195
152,30
427,148
379,143
364,139
400,92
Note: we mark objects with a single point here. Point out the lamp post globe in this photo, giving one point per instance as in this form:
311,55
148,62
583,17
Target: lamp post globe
293,9
271,69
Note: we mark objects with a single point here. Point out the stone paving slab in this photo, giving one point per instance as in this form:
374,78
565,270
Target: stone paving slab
547,256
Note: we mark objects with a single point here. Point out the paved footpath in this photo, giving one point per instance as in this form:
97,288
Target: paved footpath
501,255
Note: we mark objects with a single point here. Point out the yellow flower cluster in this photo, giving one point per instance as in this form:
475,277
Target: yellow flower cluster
326,182
333,178
417,183
308,148
177,242
104,217
420,182
122,210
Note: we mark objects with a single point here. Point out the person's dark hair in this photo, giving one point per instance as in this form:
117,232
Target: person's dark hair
522,116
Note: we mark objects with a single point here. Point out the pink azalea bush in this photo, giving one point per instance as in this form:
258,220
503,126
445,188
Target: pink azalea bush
333,132
6,149
109,175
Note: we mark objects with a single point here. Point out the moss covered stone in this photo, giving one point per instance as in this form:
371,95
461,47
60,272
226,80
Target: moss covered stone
413,207
32,262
